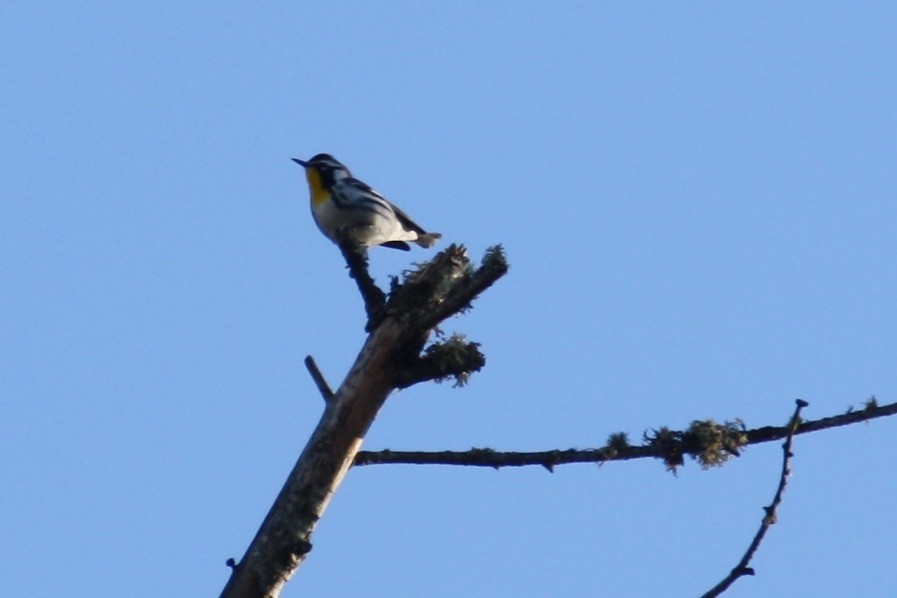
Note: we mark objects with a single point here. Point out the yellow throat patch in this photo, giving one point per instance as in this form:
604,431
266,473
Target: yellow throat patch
316,186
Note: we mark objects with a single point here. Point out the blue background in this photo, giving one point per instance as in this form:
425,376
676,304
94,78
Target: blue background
698,204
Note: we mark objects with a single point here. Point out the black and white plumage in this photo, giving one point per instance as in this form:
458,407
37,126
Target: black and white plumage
342,203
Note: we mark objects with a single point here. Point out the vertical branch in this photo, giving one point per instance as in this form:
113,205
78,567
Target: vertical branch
357,261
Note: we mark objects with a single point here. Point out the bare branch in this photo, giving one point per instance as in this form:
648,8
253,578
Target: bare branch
871,410
357,261
688,444
318,378
769,517
284,538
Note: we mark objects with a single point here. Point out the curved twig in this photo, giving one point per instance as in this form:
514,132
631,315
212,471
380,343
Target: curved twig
769,516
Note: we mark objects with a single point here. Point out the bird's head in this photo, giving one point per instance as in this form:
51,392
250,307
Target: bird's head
322,172
325,165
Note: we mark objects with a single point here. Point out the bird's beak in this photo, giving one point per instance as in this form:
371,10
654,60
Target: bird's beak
301,163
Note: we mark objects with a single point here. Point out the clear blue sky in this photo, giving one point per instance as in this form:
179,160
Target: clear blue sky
699,203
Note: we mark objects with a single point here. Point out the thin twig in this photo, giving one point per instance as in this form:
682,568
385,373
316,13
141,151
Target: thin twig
485,457
318,377
769,517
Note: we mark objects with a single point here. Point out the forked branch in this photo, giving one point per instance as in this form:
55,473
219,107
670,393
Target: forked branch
391,357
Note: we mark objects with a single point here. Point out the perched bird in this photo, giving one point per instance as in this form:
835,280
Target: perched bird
341,203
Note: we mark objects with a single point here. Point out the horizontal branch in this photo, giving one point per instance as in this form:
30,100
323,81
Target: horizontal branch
452,358
615,450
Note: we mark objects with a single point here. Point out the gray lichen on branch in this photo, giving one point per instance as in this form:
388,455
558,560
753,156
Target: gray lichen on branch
444,286
709,443
452,358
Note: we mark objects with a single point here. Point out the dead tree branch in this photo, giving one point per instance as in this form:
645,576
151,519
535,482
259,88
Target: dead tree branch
318,378
399,328
769,517
452,358
707,441
357,262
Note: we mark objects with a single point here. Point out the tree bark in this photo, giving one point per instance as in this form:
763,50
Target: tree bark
399,329
283,540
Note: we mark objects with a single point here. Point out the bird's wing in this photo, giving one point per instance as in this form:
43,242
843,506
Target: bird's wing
373,196
407,222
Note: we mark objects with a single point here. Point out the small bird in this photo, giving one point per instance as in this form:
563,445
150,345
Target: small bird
341,203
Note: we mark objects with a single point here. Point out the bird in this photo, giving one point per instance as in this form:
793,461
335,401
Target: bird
343,205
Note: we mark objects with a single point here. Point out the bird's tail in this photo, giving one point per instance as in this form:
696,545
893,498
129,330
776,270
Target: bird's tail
427,239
